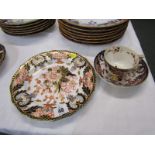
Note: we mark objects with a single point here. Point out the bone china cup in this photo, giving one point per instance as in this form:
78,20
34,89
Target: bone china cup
121,59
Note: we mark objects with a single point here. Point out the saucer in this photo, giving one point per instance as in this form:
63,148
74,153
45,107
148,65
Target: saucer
2,53
130,78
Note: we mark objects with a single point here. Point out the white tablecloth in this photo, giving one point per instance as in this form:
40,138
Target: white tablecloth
111,110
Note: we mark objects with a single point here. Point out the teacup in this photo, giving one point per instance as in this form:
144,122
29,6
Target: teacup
121,59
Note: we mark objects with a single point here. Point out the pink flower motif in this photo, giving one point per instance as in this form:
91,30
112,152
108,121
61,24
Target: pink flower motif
70,85
38,113
87,80
22,76
59,55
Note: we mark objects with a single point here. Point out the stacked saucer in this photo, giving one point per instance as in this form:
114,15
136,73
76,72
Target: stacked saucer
2,53
25,26
92,31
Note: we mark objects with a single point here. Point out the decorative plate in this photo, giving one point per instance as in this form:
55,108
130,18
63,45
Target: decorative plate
52,85
2,53
95,23
130,78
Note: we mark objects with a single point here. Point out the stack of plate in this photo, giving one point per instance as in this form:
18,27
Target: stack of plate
25,26
93,31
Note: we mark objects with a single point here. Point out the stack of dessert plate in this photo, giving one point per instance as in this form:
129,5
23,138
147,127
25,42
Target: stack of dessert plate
93,31
25,26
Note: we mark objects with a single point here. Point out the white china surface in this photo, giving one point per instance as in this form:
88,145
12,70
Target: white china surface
94,22
19,21
110,110
121,57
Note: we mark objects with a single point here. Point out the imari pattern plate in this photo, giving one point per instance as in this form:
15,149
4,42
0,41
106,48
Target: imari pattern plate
52,85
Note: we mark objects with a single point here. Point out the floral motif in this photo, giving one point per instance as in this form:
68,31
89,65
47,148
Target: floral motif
52,90
53,74
59,56
46,110
70,85
95,22
87,79
38,60
22,76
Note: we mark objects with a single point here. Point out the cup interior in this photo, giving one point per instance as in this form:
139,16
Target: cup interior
121,58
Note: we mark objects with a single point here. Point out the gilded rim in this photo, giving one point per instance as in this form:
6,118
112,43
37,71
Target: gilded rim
91,42
64,115
98,38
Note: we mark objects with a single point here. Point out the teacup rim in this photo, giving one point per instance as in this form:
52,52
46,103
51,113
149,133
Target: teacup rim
130,50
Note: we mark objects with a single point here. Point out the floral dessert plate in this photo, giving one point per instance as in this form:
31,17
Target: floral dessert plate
130,78
52,85
95,23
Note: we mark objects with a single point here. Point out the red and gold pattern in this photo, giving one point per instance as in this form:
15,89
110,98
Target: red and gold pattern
52,85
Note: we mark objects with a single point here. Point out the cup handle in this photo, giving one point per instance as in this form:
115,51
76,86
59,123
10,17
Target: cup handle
141,56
